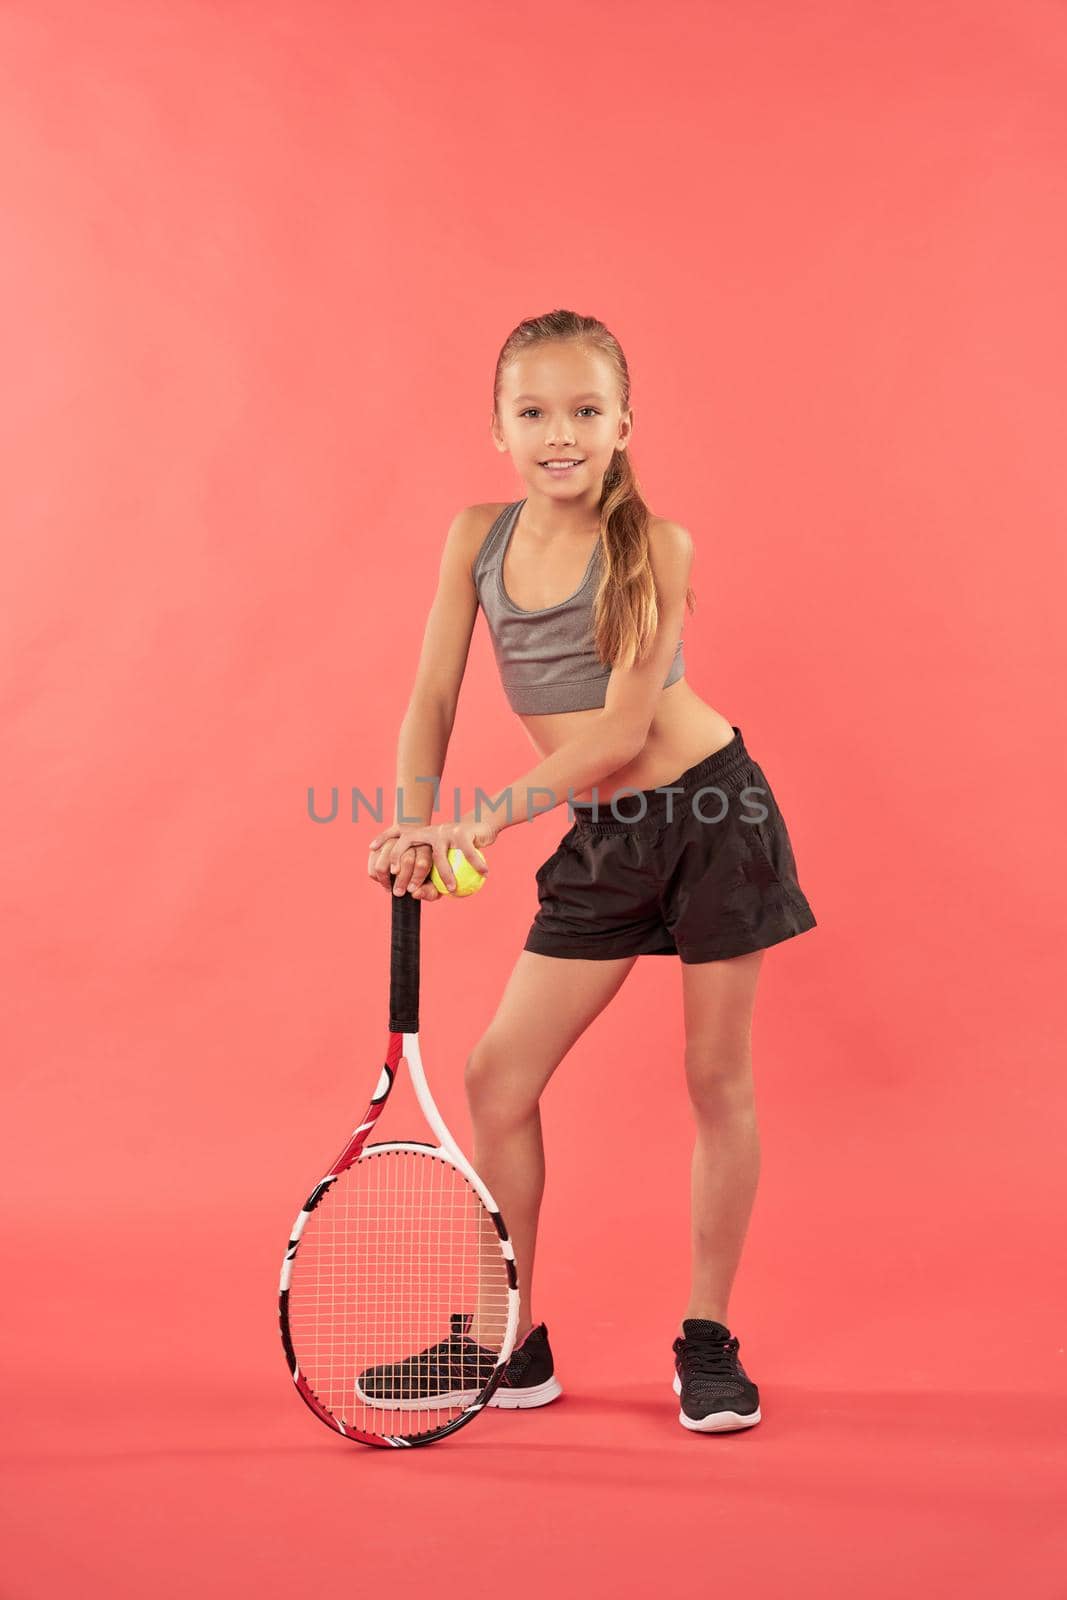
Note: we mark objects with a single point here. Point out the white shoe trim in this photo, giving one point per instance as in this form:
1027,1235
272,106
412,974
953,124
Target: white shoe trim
429,1402
538,1394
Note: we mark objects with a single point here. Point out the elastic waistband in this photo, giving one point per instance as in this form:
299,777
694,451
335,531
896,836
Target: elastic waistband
647,808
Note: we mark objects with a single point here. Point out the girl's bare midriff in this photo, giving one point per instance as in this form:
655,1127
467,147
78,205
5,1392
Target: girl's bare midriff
684,730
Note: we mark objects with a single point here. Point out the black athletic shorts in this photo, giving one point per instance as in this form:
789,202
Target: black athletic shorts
701,868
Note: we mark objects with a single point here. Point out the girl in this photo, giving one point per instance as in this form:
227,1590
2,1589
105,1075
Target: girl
584,592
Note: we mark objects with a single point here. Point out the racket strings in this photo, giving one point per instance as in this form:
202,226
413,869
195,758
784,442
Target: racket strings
399,1294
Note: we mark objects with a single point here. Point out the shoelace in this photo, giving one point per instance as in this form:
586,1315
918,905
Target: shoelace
457,1350
713,1357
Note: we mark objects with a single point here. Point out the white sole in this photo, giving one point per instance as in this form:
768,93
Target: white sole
538,1394
718,1421
432,1402
511,1399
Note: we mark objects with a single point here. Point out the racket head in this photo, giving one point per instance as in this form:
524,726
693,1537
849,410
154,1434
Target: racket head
397,1259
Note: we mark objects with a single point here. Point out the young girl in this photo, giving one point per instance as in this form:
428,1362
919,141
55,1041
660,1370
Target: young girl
677,846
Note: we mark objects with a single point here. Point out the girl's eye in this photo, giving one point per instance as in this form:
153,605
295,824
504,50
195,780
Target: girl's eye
593,409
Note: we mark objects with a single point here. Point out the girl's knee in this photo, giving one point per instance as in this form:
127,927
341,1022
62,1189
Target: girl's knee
476,1074
719,1081
494,1088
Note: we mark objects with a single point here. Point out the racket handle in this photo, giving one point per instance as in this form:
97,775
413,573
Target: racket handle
404,964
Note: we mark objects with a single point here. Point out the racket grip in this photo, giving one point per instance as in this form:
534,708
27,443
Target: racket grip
404,964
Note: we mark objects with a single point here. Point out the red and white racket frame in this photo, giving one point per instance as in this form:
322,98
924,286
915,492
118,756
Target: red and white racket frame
403,1045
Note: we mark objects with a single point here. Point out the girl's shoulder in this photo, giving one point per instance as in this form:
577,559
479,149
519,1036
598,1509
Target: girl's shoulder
669,541
468,535
666,529
482,522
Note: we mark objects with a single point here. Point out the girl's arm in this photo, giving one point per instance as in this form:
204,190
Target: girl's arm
426,727
619,733
421,747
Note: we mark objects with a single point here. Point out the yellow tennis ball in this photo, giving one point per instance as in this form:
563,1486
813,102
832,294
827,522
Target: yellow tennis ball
468,879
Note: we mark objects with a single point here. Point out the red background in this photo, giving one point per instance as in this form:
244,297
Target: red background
257,264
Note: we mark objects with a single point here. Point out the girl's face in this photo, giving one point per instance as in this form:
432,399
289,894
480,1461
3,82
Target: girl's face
559,402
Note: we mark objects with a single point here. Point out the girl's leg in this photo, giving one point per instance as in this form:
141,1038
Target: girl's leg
718,1000
547,1004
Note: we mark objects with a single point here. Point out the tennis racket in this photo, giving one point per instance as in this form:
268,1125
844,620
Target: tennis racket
399,1296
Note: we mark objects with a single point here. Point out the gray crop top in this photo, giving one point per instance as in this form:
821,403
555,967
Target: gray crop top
546,658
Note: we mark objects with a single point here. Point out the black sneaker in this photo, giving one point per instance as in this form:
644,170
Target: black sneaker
717,1393
451,1372
455,1370
529,1378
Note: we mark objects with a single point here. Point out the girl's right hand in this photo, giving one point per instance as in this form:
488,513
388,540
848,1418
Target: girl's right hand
415,861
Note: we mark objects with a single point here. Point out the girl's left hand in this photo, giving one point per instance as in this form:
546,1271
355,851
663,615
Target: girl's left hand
469,836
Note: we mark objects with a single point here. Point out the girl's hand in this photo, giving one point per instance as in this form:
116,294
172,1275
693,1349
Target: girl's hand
408,853
416,861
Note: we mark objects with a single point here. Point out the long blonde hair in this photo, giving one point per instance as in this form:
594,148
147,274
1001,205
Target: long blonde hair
625,610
